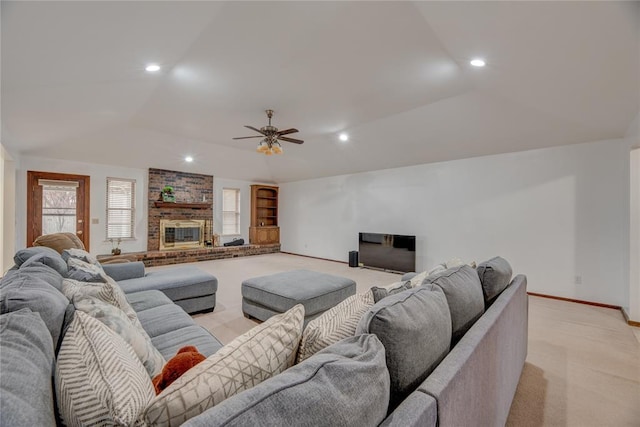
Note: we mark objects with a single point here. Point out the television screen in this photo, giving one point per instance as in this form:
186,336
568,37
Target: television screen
393,252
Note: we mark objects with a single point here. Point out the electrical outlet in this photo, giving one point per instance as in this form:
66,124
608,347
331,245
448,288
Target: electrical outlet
578,280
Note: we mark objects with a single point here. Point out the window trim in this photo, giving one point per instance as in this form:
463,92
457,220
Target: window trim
237,212
132,209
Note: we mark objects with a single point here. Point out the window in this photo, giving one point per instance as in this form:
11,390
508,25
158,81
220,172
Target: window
121,195
230,211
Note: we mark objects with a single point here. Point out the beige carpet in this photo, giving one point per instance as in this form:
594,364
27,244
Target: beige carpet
583,365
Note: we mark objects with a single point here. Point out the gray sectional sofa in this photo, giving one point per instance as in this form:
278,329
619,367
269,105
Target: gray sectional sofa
373,378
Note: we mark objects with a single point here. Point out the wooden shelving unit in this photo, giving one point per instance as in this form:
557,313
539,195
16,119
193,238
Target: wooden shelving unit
264,227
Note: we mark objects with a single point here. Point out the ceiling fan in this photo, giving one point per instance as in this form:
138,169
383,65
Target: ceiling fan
272,137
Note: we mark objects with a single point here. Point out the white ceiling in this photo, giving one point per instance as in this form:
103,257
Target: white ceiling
394,75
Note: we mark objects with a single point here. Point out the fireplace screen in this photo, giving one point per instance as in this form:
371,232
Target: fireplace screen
182,234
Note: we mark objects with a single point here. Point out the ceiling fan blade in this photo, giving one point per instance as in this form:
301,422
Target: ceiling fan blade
287,131
257,130
295,141
247,137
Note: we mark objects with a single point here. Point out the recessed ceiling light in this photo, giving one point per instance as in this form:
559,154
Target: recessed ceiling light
478,62
343,137
188,159
152,68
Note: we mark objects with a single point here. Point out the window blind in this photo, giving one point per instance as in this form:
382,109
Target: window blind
120,208
230,211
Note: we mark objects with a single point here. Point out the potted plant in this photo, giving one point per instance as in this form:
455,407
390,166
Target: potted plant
115,244
168,195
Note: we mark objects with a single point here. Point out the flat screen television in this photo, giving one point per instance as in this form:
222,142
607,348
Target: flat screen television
394,252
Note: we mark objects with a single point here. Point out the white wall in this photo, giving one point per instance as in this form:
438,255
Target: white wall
99,174
7,209
553,213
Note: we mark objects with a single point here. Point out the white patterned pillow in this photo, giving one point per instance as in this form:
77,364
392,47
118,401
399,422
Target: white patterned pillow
118,322
261,353
334,325
99,380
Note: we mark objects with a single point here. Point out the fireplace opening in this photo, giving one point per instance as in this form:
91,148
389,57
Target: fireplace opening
182,234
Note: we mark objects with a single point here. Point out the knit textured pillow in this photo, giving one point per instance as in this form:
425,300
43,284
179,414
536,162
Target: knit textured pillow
99,380
118,322
264,351
334,325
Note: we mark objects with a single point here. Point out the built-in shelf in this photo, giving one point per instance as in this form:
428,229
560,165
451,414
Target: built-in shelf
200,205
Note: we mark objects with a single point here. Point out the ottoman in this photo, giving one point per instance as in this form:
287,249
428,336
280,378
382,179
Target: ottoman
265,296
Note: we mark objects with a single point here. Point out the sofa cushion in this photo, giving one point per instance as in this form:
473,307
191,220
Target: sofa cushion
264,351
162,319
177,282
495,276
85,272
170,342
118,322
346,384
26,363
415,329
99,379
463,289
20,290
24,254
333,325
380,292
44,272
145,300
50,259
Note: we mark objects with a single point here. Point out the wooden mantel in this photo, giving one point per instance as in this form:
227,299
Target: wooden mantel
200,205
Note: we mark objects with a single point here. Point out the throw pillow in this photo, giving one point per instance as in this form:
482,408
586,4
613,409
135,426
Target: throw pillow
463,289
264,351
384,291
85,272
415,328
59,241
50,260
333,325
186,358
117,321
99,380
80,254
26,363
44,272
20,290
495,276
346,384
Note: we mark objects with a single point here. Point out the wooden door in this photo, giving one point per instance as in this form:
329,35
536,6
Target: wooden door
57,202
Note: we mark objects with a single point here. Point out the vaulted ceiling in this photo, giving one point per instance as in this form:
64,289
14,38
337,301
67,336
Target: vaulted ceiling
394,75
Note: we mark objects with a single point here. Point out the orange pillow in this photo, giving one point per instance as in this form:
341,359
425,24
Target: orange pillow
186,358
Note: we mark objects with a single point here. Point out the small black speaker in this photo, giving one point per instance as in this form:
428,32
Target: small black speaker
353,259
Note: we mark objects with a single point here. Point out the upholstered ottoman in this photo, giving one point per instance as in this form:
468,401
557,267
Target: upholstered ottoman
265,296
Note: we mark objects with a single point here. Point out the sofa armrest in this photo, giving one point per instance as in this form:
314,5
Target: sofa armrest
475,383
417,410
125,270
408,276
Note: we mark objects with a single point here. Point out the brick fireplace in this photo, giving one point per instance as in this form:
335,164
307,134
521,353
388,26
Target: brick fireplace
194,201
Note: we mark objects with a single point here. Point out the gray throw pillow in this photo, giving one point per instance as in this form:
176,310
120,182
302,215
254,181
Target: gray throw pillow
24,254
462,287
415,328
43,272
84,271
19,290
495,276
80,254
345,384
26,363
381,292
54,261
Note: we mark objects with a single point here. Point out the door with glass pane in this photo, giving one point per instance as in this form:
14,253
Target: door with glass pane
56,203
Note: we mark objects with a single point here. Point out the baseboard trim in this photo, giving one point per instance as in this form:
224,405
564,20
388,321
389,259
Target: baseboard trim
314,257
627,319
596,304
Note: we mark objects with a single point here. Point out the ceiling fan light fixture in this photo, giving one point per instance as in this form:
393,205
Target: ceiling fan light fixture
263,146
276,148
